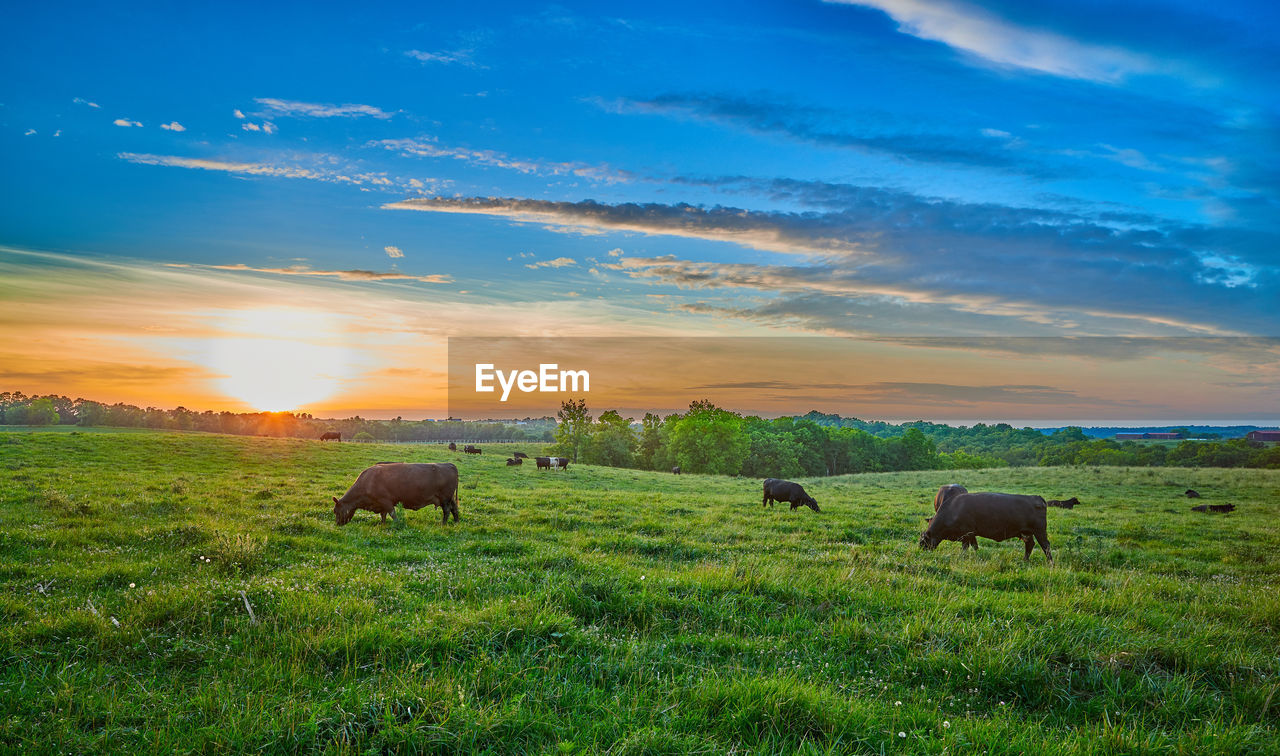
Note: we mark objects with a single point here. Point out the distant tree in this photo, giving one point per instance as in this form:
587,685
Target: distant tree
39,412
573,428
611,442
363,436
709,440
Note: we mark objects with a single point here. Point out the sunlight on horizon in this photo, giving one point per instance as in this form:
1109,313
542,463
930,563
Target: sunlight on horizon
278,359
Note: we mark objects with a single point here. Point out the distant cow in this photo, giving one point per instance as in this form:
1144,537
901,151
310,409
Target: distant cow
415,485
675,470
1192,493
1064,504
946,492
552,463
1220,508
785,490
513,461
520,455
331,436
998,516
469,449
453,446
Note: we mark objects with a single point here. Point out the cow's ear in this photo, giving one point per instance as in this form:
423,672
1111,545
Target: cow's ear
335,500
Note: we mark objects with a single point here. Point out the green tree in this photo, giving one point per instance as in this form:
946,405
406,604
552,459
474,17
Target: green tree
709,440
574,427
39,412
612,442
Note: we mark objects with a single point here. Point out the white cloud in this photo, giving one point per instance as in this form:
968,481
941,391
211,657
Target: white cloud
325,168
29,132
266,127
996,133
428,147
173,126
393,251
82,101
58,133
559,262
126,123
321,110
238,114
981,33
615,252
462,57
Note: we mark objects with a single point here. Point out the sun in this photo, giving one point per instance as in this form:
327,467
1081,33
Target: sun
279,359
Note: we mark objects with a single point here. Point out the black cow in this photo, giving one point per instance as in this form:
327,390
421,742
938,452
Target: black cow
998,516
512,462
1220,508
453,446
1064,504
520,455
785,490
675,470
1192,493
469,449
331,436
552,463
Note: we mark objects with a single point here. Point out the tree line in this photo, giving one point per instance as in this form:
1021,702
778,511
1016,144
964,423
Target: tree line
706,438
709,439
18,409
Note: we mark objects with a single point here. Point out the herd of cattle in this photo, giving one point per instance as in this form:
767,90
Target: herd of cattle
958,514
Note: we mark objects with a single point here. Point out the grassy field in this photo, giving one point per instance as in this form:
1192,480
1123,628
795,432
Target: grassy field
191,593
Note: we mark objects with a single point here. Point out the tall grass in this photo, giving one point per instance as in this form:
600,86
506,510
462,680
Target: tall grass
619,611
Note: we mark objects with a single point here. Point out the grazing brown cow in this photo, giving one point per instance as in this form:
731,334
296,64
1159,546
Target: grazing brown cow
785,490
998,516
453,446
331,436
415,485
513,461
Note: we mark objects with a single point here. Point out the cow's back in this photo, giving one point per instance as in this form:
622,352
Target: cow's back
997,516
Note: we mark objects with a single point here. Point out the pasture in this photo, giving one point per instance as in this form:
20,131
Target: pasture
191,593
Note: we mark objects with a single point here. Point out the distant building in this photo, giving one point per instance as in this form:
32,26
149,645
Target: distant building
1265,436
1158,436
1130,436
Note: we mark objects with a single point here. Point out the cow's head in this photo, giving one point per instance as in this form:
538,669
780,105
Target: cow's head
808,501
928,541
343,513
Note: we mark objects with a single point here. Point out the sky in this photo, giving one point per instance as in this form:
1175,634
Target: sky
296,207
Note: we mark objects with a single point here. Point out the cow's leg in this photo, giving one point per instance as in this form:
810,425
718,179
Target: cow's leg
765,501
1029,544
384,516
453,506
1043,540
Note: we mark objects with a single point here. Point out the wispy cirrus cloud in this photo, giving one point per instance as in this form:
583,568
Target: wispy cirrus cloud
825,127
459,57
559,262
429,147
294,108
343,275
323,168
984,35
83,101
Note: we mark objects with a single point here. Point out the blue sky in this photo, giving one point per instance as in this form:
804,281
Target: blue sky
877,168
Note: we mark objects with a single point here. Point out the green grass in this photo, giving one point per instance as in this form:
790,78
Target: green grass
619,611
